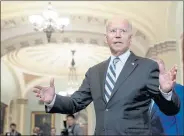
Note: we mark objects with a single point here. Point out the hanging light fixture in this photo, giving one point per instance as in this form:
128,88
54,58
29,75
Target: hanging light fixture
72,78
48,22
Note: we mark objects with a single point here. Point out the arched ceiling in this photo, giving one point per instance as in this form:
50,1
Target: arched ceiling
87,26
143,14
56,59
29,51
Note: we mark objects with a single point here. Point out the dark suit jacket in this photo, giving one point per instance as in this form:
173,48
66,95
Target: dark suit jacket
127,111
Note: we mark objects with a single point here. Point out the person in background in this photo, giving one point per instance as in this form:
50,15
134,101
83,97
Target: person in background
162,124
36,131
44,127
72,127
13,131
168,125
53,131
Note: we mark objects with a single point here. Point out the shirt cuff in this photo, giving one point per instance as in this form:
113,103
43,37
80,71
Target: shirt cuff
167,96
50,105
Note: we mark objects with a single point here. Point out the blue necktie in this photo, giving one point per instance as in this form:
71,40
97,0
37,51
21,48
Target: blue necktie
110,79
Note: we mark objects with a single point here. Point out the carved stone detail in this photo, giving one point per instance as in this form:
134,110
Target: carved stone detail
161,48
37,39
22,101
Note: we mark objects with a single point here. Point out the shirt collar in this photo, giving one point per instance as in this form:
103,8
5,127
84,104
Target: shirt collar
123,57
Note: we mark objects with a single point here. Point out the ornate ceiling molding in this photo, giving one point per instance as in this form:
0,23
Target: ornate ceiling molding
160,48
81,22
80,37
74,19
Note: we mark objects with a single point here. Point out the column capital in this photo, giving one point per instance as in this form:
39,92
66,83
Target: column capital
21,101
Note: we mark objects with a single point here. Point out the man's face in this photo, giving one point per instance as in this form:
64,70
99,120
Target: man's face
118,35
53,132
13,128
70,121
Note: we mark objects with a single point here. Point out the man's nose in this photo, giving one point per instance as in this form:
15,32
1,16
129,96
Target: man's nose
118,34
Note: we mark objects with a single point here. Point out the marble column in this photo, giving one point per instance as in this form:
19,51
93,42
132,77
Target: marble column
22,106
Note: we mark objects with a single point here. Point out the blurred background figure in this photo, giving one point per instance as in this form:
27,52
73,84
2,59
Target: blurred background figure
72,127
44,127
162,124
168,125
36,131
53,131
13,131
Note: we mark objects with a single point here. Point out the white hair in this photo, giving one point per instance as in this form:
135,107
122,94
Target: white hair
109,21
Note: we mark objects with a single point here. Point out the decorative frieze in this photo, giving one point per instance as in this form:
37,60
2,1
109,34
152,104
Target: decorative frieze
160,48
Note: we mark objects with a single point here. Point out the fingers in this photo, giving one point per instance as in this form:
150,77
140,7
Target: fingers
173,72
174,76
38,87
160,63
38,95
161,66
36,90
173,82
41,97
174,69
52,82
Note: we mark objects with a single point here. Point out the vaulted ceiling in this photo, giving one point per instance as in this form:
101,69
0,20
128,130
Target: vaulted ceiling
150,17
28,52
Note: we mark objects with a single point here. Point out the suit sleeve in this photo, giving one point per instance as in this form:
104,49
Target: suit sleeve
78,101
169,108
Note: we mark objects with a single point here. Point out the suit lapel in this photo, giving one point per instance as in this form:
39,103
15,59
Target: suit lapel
102,76
128,68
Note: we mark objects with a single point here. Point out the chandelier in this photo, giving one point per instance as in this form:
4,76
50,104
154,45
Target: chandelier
48,22
72,78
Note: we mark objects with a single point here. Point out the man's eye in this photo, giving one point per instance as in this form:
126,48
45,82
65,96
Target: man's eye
124,30
113,30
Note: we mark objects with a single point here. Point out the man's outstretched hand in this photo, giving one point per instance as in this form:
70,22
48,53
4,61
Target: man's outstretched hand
46,94
167,79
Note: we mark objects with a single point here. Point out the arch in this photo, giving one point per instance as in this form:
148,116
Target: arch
10,87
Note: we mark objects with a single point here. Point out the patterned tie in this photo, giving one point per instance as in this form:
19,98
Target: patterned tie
110,79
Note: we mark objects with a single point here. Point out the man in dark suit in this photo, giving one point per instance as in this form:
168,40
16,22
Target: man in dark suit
13,131
121,88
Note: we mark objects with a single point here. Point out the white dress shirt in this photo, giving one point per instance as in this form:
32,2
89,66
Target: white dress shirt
119,66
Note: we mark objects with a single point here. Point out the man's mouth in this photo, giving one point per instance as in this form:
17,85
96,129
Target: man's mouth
117,42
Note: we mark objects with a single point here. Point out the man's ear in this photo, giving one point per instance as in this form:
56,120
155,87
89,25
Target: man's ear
130,38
